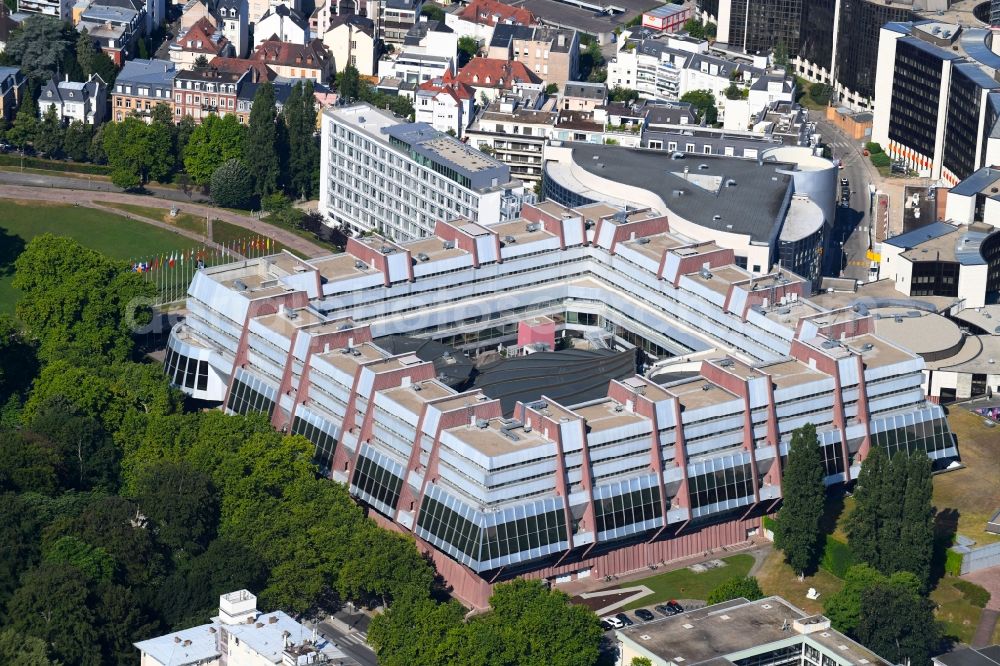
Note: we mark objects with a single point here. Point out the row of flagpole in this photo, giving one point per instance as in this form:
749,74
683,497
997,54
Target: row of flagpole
171,272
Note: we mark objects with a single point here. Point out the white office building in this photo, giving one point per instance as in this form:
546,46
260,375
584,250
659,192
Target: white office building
398,178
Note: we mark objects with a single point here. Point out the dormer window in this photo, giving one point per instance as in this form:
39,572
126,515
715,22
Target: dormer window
50,93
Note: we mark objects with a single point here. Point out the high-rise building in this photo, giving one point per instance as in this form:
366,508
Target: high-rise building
378,172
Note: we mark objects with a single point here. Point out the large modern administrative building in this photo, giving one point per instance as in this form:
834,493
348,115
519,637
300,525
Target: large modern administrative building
649,423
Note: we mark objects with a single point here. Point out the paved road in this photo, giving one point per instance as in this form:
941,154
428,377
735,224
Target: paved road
32,187
95,184
350,640
849,244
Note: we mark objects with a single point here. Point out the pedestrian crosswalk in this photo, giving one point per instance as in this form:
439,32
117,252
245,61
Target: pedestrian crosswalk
857,263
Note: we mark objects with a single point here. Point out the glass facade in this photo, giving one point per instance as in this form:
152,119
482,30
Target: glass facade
451,529
634,504
934,278
318,434
250,394
504,541
555,192
727,486
961,131
790,654
377,480
758,26
816,35
915,95
803,256
186,371
857,40
907,432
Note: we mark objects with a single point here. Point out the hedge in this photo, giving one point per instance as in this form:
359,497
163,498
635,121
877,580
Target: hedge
880,159
953,563
769,523
54,165
975,595
873,147
837,557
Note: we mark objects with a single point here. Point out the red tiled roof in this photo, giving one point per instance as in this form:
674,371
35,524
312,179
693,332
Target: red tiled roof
494,73
202,32
491,12
456,89
312,55
240,65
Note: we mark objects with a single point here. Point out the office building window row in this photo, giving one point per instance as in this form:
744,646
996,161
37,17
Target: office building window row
904,433
524,534
629,509
249,394
725,485
324,442
447,525
377,482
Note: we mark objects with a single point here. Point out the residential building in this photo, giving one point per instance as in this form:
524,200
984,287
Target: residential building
396,17
668,18
296,61
194,11
240,636
259,8
61,9
203,38
428,36
352,40
401,178
523,471
281,23
200,93
416,66
447,107
240,65
12,82
233,19
247,90
492,77
114,30
140,86
937,102
514,130
740,632
583,96
551,53
478,18
85,102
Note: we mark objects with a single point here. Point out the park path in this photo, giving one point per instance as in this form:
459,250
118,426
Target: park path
96,199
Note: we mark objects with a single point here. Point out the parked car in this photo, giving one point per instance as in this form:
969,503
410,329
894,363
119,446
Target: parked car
666,610
676,606
624,619
614,621
644,615
606,625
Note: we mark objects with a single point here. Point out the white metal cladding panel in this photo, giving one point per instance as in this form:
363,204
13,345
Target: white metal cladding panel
720,463
450,442
606,236
764,453
801,406
427,268
256,382
776,329
791,423
509,475
300,349
848,370
398,266
809,330
632,447
721,441
305,281
855,431
792,393
850,395
671,265
486,247
388,440
285,401
828,437
574,475
573,231
365,383
218,297
760,432
326,425
692,431
542,450
396,409
264,364
214,317
272,346
665,414
572,434
758,391
638,258
338,391
508,493
875,389
364,280
729,410
527,246
737,301
673,474
613,467
704,292
902,368
430,423
879,404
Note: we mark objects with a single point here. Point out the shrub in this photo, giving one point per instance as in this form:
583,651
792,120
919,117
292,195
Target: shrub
837,557
874,148
769,523
231,185
734,588
953,563
974,594
880,159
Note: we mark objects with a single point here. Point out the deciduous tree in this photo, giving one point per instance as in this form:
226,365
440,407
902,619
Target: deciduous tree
703,102
211,144
898,625
182,503
42,47
16,648
735,588
76,141
232,185
49,138
797,532
260,152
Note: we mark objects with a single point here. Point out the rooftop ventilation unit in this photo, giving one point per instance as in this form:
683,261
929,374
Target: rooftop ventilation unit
784,311
532,227
527,428
619,407
726,363
356,352
387,250
706,387
730,183
867,347
716,217
829,344
702,167
509,240
360,265
482,424
705,274
677,155
643,241
898,319
417,387
448,245
538,404
290,313
240,285
344,327
422,256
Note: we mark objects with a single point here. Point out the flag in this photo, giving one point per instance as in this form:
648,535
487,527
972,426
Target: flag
171,260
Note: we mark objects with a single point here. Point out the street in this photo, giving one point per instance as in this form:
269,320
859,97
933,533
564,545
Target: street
348,632
848,247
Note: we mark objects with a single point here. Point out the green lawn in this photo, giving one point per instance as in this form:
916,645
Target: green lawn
185,221
226,233
686,584
113,235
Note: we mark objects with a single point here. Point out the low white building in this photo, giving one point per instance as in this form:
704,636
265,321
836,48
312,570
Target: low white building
352,40
282,22
416,67
73,101
240,636
445,106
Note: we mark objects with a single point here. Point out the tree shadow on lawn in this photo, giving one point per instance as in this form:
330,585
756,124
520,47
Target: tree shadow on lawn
10,248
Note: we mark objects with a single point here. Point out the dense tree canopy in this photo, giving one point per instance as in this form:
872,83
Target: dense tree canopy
703,102
746,587
42,47
212,143
260,142
232,184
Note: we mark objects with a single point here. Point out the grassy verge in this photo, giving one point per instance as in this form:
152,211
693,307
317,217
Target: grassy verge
776,577
185,221
686,584
113,235
956,610
969,496
228,233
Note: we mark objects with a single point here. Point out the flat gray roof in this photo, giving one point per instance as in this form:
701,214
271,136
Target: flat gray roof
752,206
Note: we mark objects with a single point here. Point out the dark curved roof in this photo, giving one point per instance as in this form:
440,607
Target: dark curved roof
452,366
568,377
